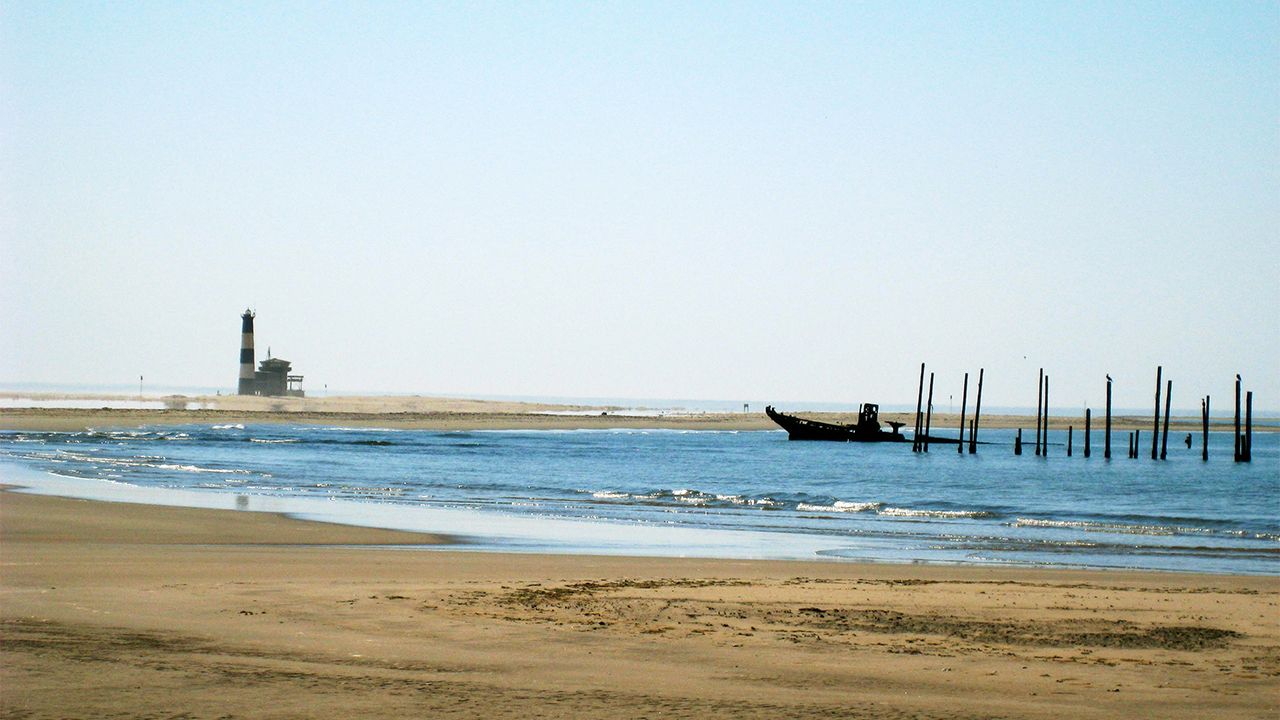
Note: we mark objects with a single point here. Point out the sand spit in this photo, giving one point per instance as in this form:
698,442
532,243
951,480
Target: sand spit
463,414
161,612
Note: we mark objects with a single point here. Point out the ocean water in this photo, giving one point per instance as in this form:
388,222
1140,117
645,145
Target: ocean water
709,494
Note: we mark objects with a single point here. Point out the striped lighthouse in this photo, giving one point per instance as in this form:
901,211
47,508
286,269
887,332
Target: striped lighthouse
247,384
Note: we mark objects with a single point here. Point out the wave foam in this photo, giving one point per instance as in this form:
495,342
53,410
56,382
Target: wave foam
1133,528
912,512
839,506
610,495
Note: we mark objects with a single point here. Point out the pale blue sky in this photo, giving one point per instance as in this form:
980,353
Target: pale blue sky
781,201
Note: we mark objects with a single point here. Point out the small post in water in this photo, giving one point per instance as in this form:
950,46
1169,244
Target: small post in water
1044,452
1247,444
1088,418
1106,445
1237,417
1164,437
915,439
1204,429
1155,434
964,398
1017,443
1039,406
1070,431
928,415
977,414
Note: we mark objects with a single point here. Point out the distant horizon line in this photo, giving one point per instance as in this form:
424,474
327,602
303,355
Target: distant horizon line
693,404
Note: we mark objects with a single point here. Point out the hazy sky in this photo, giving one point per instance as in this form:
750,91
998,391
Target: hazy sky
782,201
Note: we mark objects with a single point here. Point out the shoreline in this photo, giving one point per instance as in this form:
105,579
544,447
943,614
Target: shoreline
480,531
133,523
156,610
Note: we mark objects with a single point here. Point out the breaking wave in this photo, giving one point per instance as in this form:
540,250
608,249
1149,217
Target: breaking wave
840,506
1121,528
914,513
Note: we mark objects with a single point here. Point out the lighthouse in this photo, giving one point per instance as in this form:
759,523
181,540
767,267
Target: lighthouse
272,377
247,384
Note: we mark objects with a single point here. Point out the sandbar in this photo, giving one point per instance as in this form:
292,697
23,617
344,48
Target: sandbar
437,413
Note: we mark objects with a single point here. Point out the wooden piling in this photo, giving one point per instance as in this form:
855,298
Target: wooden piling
1070,431
1088,420
915,439
1130,444
1237,455
1044,452
928,416
977,415
1204,429
1247,444
1106,445
1164,436
1039,406
1017,443
964,399
1155,433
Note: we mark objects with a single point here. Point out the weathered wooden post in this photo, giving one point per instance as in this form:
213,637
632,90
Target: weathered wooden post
1088,418
1237,417
964,398
1247,444
1130,444
1204,429
1155,433
1164,436
928,417
977,415
915,439
1045,441
1070,431
1106,445
1039,406
1017,443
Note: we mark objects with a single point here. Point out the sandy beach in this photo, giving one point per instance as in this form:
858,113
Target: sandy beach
115,610
432,413
443,360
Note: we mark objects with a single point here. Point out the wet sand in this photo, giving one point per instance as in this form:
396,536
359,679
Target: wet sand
114,610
